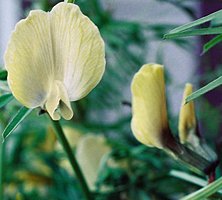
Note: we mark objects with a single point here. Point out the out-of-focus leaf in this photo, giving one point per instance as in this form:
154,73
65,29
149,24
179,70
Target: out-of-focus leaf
3,75
212,43
5,99
210,86
15,121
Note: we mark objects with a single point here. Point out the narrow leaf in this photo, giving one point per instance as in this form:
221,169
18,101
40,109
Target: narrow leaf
3,75
188,177
210,86
212,43
5,99
15,121
195,32
196,22
206,191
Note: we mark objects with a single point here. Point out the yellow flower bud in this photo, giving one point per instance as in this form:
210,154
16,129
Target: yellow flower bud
149,115
187,118
188,131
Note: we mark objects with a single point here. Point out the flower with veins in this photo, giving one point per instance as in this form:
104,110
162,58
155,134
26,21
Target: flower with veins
54,58
149,115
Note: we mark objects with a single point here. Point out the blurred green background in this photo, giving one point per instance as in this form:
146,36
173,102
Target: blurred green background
116,166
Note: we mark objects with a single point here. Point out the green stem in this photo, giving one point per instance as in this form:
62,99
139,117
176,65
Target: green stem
205,192
72,160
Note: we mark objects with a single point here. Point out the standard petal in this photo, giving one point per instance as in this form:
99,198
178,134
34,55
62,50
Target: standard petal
149,120
29,59
187,118
78,48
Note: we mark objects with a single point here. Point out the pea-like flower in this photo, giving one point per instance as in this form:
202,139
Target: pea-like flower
187,118
150,124
54,58
149,121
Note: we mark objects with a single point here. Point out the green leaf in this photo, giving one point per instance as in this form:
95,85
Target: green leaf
5,99
206,191
188,177
210,86
196,22
3,75
183,30
15,121
195,32
212,43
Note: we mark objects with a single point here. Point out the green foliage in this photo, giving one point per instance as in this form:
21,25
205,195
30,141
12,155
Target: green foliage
187,30
210,86
15,121
3,75
216,40
187,27
206,191
33,159
5,99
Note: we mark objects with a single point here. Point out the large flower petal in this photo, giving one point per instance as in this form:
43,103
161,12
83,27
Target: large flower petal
149,121
29,60
79,50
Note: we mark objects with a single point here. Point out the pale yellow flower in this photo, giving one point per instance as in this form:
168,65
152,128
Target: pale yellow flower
150,125
53,58
149,115
90,151
187,118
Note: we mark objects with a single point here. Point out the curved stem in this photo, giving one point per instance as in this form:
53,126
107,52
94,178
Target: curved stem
75,166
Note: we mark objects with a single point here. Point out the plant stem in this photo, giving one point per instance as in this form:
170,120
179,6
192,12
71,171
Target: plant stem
72,160
205,192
